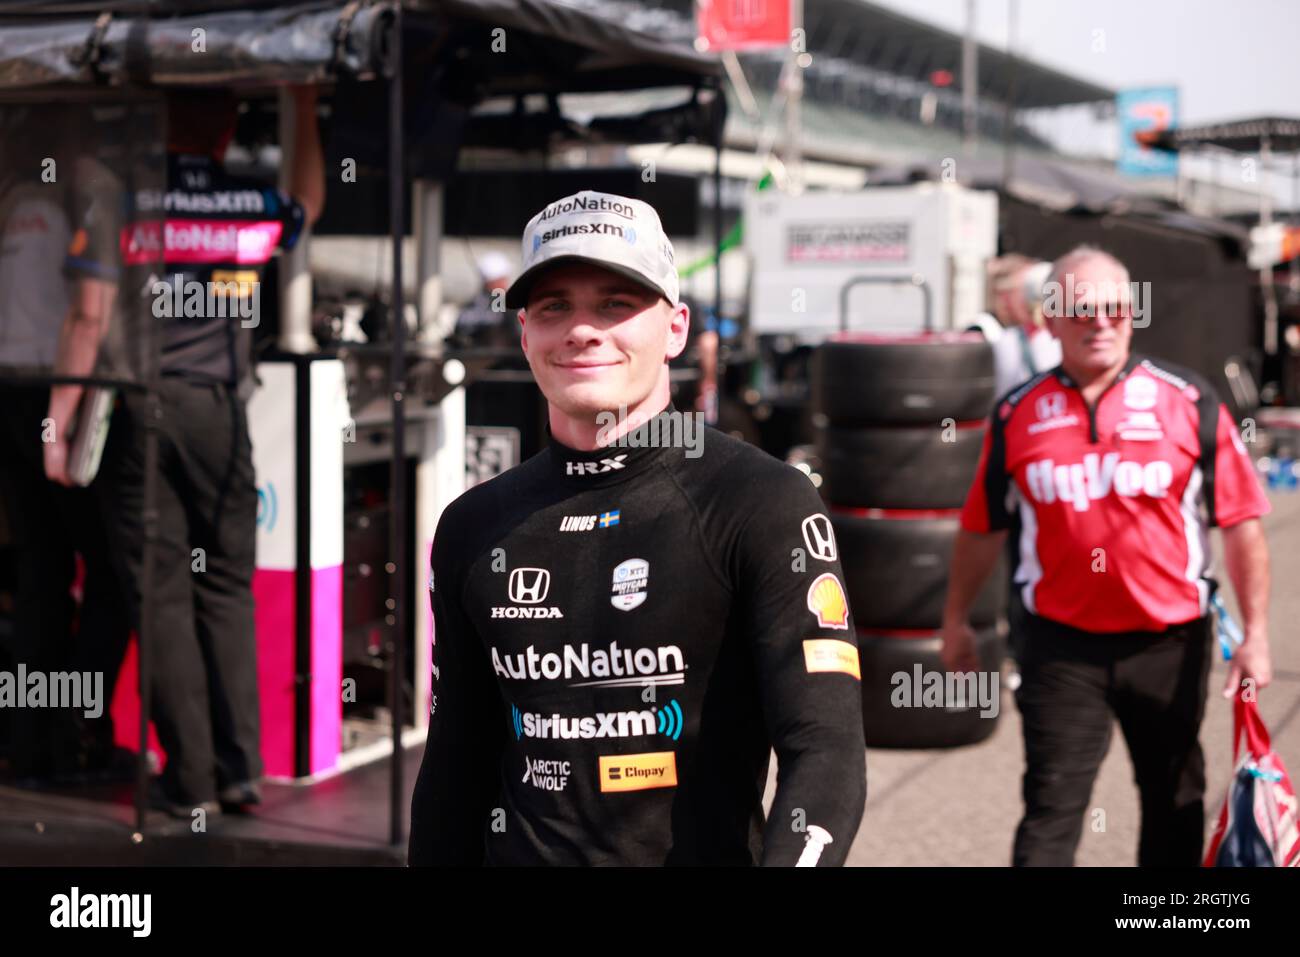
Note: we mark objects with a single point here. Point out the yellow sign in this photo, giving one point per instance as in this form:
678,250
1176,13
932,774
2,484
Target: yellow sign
831,654
239,282
638,772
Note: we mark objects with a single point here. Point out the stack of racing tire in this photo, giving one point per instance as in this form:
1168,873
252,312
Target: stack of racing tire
899,427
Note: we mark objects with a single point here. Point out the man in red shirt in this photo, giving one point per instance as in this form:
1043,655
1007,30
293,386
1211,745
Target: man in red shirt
1117,465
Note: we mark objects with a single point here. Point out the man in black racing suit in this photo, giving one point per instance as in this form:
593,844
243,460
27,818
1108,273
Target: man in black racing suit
628,623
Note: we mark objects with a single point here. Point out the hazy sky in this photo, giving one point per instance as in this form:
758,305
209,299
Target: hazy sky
1231,59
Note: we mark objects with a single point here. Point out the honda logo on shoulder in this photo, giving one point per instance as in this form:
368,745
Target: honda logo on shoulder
528,586
819,537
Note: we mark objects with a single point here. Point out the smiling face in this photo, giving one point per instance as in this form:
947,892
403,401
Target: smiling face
597,341
1097,339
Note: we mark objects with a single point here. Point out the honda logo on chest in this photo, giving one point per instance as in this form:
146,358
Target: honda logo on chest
528,586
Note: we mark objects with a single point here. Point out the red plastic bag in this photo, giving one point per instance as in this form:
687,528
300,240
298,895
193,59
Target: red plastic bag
1258,824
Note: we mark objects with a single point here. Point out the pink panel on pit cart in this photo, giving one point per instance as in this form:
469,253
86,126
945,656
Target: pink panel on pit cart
327,666
273,593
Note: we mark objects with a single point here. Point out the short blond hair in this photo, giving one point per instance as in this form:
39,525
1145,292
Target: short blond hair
1002,269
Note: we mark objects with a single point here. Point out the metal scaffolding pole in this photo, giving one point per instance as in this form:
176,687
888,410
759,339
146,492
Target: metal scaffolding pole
397,569
969,81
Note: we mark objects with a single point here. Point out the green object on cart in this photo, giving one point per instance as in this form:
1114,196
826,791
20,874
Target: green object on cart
733,238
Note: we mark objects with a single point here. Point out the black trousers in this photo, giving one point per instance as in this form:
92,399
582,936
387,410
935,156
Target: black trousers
1074,684
204,652
49,526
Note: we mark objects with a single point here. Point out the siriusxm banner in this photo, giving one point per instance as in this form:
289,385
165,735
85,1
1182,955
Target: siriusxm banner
1149,108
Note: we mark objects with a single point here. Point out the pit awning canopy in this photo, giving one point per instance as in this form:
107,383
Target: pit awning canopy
549,46
464,52
1281,134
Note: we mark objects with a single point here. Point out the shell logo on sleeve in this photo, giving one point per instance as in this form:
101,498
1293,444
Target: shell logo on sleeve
827,602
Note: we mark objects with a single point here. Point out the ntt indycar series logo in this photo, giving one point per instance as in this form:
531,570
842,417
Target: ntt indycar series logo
631,579
583,666
667,721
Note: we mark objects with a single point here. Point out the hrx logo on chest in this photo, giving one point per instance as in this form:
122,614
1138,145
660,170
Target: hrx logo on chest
1094,478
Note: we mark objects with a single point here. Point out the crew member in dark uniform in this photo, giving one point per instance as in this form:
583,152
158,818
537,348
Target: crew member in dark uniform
217,231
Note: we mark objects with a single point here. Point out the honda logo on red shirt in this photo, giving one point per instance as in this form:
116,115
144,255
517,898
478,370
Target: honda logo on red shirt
1050,406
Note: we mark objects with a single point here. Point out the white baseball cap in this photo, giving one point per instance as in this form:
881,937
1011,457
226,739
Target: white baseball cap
494,265
615,232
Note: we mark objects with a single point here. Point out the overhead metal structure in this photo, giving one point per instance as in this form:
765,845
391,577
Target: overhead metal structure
1279,134
882,39
1265,136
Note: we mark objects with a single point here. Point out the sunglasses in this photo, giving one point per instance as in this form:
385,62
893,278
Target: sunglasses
1084,314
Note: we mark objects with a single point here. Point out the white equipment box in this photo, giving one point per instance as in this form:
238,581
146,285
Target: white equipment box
888,245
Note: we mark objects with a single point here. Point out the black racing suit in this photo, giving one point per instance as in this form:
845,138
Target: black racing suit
622,636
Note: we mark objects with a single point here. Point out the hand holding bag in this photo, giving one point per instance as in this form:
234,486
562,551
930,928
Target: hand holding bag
1258,824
